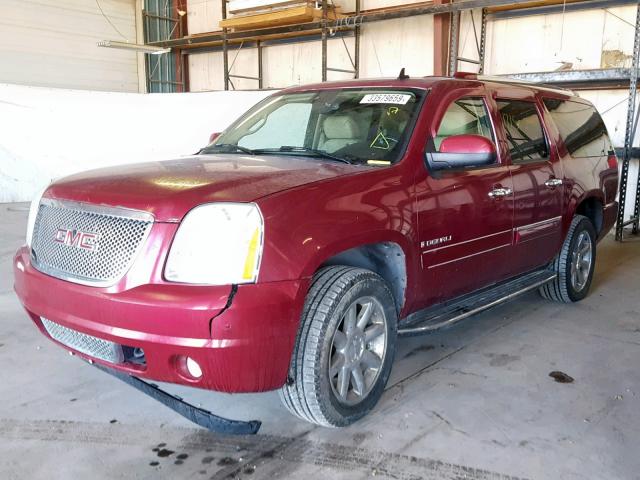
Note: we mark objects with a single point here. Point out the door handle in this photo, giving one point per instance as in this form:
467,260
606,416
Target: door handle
553,182
500,192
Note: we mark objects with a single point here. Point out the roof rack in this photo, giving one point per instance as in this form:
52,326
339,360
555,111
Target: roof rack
509,80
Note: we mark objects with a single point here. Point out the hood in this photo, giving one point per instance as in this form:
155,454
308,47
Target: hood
169,189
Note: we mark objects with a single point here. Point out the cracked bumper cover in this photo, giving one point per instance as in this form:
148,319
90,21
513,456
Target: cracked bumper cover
245,347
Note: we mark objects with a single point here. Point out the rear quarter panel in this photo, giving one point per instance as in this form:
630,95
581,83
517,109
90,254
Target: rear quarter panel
584,177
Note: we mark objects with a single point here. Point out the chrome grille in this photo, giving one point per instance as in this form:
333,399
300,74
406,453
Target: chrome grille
87,344
120,234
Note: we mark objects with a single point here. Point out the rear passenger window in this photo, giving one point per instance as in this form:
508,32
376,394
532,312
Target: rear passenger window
466,116
523,129
580,126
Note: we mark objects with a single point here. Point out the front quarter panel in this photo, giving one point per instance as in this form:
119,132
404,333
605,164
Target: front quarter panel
307,225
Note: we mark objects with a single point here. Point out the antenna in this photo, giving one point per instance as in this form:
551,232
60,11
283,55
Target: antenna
402,75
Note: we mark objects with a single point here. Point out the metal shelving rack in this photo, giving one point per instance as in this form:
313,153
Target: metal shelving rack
480,37
351,23
225,56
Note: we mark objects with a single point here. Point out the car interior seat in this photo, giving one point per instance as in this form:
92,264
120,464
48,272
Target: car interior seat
338,131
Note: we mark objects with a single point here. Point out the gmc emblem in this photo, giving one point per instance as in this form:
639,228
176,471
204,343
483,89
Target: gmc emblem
75,238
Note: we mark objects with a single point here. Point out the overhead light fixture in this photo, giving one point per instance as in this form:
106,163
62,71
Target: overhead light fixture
134,46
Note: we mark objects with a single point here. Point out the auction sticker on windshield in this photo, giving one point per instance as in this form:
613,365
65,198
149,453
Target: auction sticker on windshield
398,98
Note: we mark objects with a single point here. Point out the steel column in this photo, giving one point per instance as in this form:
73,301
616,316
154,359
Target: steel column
453,42
259,47
628,137
225,47
324,40
483,40
441,38
356,42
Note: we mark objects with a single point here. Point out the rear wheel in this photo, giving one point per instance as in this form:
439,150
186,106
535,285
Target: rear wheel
574,264
345,347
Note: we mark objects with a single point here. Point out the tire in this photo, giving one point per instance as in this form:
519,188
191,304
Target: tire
340,300
567,288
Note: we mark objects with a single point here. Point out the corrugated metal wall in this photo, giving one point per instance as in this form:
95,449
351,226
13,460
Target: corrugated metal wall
53,43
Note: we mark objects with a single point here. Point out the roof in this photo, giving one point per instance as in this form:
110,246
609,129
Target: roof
428,82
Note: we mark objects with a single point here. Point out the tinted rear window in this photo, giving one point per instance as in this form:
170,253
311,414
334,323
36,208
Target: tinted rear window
580,126
523,129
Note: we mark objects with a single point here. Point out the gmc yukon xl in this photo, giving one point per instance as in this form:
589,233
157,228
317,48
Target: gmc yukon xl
293,250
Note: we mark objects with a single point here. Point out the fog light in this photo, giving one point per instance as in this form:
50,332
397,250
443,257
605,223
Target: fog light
193,368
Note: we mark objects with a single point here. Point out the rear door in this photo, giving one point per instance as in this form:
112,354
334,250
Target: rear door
538,182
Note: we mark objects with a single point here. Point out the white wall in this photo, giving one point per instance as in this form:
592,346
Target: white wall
53,43
599,38
47,133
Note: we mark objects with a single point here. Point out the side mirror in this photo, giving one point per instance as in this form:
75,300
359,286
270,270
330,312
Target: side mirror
462,151
213,136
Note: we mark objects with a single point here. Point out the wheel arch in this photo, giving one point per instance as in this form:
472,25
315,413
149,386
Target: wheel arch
387,259
591,206
387,255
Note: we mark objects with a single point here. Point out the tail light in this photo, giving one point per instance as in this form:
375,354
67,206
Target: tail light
612,160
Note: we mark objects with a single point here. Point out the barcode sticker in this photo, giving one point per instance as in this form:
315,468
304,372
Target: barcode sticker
397,98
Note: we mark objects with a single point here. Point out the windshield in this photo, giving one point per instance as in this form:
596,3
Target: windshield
369,125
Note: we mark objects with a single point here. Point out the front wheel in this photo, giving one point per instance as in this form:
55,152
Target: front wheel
345,347
574,264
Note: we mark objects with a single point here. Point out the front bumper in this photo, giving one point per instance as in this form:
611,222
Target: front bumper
242,339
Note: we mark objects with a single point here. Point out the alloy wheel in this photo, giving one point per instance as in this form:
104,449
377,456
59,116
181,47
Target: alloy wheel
581,261
358,349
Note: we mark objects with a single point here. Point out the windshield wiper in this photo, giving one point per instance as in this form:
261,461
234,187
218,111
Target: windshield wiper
228,145
314,151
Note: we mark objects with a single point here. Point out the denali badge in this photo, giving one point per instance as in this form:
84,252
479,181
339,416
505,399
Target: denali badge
435,241
75,238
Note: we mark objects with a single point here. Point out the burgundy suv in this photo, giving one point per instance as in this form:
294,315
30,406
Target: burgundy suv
292,251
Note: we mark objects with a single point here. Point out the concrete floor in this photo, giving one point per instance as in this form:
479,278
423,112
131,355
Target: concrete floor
472,402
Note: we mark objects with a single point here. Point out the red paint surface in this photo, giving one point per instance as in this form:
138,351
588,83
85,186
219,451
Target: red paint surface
314,209
467,144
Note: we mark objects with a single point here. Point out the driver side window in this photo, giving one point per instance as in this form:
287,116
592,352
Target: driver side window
465,116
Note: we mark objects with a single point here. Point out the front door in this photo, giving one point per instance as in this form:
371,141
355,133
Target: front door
465,215
537,177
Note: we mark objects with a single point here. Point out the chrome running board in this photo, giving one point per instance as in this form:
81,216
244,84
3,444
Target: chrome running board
449,313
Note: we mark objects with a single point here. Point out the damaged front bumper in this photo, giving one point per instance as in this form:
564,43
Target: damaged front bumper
241,342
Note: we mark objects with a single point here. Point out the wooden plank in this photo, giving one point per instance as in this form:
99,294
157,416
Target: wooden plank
289,16
253,38
256,6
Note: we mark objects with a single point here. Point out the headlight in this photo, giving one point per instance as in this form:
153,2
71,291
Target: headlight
217,244
33,213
